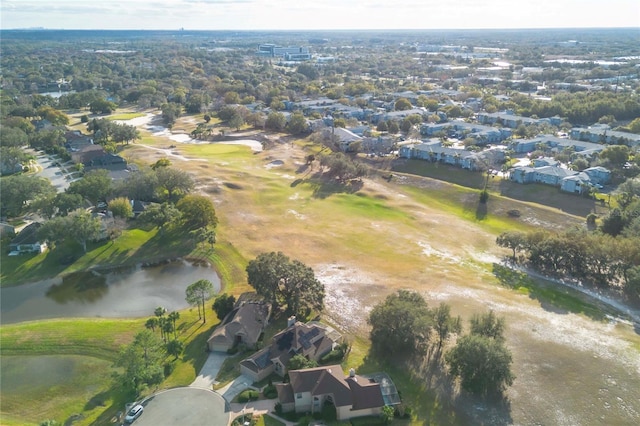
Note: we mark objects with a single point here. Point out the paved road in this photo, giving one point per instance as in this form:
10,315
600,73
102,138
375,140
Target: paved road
184,407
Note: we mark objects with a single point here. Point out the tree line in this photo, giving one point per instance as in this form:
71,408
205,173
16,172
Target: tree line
405,329
595,258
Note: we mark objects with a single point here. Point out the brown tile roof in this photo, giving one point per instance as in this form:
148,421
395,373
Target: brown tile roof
285,393
322,381
366,394
247,321
307,339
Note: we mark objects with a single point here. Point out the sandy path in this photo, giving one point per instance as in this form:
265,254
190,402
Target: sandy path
149,122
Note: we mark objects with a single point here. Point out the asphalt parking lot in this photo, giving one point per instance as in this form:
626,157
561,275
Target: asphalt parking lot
184,407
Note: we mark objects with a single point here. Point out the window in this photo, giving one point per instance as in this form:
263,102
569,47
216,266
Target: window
299,396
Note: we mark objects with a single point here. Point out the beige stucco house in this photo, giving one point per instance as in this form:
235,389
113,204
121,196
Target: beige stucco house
310,389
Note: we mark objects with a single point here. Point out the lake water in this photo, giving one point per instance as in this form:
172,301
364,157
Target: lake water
131,292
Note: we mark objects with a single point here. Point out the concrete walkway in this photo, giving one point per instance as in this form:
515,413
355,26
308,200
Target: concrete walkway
210,370
256,408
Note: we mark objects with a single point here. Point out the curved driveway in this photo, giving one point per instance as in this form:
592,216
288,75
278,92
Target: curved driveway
54,173
184,407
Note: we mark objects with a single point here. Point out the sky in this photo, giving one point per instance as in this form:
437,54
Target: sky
317,14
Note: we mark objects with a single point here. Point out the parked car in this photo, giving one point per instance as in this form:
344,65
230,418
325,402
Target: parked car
134,413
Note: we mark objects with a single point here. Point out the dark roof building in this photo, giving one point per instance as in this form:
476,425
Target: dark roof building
310,389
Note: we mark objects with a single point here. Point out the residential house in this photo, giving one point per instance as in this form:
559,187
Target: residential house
7,230
243,325
396,115
8,168
523,174
76,140
552,175
509,119
568,180
27,241
554,143
576,184
544,161
434,151
604,134
107,161
461,130
598,175
312,340
378,144
309,390
138,207
85,153
344,137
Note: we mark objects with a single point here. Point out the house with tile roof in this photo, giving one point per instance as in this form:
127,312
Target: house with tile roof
243,325
28,241
312,340
309,390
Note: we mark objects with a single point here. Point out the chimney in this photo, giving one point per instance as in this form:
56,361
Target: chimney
291,320
352,372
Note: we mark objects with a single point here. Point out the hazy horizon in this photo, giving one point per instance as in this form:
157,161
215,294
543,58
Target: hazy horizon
269,15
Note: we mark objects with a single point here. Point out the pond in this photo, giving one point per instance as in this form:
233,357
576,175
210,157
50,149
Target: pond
130,292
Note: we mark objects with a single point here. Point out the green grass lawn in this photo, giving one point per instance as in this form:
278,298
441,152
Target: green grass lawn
125,116
427,406
267,420
87,387
57,387
133,246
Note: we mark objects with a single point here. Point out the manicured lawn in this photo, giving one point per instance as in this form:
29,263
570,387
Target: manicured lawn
267,420
92,345
133,246
57,387
96,337
125,116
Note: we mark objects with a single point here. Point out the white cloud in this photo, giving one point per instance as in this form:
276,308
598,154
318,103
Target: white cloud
315,14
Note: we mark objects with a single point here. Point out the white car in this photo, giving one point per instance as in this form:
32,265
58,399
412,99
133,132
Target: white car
134,413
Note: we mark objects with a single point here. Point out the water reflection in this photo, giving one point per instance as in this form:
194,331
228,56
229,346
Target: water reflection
85,287
130,292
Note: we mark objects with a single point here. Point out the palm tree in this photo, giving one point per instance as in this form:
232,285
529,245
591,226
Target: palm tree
174,316
151,323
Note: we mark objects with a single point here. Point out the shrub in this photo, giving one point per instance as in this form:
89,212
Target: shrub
270,392
367,421
168,368
335,355
484,196
278,408
248,395
329,413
